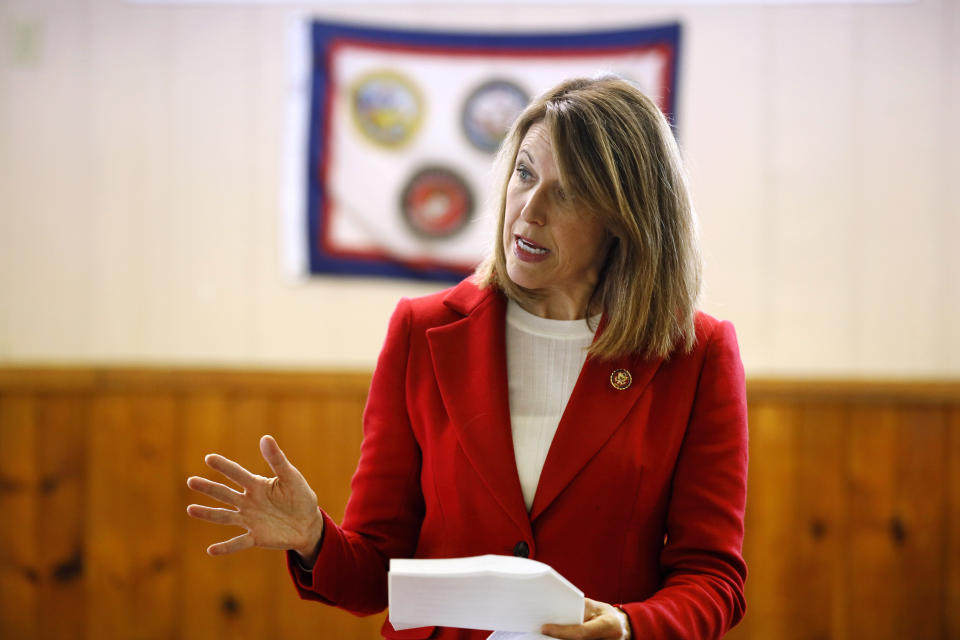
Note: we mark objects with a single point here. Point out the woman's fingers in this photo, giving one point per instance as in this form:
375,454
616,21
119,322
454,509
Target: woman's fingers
599,627
240,543
215,490
565,631
601,621
215,515
231,469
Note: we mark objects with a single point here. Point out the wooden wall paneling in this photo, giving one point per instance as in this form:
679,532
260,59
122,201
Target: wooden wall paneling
110,548
203,592
818,586
19,575
771,527
951,541
62,465
154,504
853,515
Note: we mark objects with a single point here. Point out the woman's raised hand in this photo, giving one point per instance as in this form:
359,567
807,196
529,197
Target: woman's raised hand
278,513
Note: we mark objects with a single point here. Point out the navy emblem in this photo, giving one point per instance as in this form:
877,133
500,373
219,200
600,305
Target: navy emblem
387,107
436,203
489,111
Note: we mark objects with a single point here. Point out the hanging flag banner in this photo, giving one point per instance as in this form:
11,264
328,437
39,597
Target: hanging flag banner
402,128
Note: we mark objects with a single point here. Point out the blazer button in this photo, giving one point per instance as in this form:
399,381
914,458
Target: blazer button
521,550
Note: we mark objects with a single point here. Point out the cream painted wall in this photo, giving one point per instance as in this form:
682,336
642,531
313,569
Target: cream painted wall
140,179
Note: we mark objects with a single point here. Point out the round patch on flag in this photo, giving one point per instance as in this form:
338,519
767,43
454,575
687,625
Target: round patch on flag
489,111
436,203
387,107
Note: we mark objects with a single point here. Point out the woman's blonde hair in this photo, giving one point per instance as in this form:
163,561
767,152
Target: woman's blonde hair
618,159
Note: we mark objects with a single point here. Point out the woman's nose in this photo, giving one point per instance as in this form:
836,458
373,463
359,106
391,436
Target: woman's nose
534,209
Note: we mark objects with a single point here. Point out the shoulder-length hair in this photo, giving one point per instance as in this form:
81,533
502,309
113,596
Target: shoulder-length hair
618,159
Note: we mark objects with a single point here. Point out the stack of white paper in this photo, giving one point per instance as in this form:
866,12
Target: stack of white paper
499,593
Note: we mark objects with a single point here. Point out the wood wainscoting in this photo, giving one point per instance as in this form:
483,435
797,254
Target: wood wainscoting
853,515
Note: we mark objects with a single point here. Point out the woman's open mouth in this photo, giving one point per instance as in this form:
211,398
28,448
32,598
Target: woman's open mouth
527,250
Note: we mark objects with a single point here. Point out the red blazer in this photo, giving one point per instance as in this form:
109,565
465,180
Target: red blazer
640,502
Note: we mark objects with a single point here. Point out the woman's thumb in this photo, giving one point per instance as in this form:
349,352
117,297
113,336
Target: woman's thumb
272,453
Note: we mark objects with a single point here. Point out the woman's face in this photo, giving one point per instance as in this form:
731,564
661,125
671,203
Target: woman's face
551,246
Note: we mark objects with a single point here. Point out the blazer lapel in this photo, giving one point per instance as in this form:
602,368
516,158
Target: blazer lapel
594,412
469,359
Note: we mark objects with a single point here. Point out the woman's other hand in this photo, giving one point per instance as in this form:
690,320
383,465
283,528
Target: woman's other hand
601,620
278,513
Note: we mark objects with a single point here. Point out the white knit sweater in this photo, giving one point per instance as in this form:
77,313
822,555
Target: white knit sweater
544,358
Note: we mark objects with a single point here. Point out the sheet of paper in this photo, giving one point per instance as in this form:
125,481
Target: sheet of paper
498,593
513,635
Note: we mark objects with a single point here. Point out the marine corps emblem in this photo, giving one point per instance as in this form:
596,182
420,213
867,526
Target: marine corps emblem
436,203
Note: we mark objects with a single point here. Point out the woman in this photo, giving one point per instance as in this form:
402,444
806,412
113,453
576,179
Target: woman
567,403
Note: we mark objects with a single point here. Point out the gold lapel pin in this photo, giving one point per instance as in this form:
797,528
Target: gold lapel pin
621,379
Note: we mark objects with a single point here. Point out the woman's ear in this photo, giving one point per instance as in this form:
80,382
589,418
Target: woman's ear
613,241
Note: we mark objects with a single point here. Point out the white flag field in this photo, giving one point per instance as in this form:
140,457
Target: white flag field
391,136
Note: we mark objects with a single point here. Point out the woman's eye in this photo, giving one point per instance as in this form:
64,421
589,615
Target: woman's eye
523,173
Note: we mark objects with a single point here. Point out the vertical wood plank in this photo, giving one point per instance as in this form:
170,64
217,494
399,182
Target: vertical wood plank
110,601
322,438
201,580
296,429
871,566
131,498
771,527
249,603
61,464
818,587
951,542
19,574
917,524
896,477
152,492
341,433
